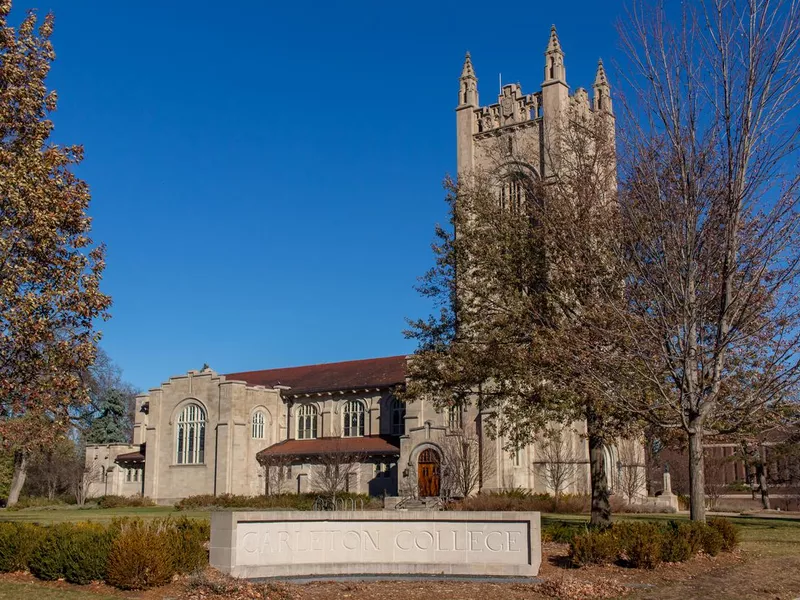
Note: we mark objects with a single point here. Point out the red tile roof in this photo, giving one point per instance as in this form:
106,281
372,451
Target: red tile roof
331,377
371,445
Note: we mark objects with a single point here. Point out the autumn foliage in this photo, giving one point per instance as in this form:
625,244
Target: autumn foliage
50,269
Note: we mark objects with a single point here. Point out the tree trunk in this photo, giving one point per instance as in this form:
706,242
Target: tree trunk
762,485
18,480
601,507
697,480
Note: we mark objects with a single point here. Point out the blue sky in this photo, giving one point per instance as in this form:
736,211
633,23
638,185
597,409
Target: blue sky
267,176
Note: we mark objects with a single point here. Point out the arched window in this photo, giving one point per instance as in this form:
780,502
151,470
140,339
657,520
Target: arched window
191,442
306,422
353,419
258,425
398,417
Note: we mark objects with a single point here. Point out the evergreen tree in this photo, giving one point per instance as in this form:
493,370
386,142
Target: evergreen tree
112,426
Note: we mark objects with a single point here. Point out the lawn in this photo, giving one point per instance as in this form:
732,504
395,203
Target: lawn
13,590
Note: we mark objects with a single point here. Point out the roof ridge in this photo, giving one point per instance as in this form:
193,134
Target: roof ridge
341,362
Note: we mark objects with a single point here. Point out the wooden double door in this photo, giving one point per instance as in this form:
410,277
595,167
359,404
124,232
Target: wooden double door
428,468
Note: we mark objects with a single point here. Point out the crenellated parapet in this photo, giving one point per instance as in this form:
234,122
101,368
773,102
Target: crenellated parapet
512,109
528,120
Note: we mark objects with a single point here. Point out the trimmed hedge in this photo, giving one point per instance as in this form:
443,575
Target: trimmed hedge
17,543
128,553
123,501
276,501
645,545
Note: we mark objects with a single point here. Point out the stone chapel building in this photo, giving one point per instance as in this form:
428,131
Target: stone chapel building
210,433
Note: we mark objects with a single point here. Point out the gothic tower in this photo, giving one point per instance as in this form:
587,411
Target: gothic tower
511,136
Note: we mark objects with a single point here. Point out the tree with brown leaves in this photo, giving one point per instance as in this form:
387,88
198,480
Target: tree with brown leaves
49,268
520,284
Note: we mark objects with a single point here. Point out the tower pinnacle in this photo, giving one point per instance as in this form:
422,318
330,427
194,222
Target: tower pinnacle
554,59
468,71
468,85
602,90
553,45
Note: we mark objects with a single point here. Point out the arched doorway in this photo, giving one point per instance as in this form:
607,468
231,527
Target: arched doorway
428,473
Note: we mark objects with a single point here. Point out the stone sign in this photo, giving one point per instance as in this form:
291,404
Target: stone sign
282,544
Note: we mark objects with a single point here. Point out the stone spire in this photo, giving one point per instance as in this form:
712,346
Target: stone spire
468,88
554,59
468,72
554,45
602,90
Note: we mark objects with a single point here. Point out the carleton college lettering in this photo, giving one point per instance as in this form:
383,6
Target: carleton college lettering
281,544
369,538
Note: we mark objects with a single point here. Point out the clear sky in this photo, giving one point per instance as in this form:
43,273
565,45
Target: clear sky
267,175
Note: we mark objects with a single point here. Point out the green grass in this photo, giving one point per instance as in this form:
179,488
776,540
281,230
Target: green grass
14,591
34,515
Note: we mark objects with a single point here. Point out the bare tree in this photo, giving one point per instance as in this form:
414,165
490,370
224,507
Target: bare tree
82,478
274,470
334,471
556,461
709,203
632,474
464,462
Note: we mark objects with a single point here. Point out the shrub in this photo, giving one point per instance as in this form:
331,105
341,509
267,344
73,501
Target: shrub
516,500
728,532
188,540
49,558
141,556
38,502
276,501
17,543
559,532
712,541
641,543
595,547
123,501
675,546
87,547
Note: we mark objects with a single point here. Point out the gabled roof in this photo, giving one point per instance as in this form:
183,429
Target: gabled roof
331,377
371,445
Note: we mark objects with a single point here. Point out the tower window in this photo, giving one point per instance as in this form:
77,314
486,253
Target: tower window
398,417
454,420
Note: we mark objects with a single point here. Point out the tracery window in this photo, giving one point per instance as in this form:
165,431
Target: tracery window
398,417
258,425
454,420
353,425
515,192
306,422
191,435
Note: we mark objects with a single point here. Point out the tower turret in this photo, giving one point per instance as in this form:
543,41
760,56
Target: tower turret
602,91
555,101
